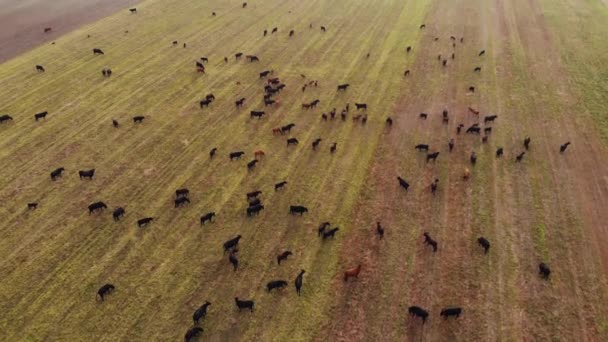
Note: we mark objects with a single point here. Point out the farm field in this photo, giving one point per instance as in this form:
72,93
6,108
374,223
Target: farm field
543,74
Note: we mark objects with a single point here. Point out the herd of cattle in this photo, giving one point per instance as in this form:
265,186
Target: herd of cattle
271,90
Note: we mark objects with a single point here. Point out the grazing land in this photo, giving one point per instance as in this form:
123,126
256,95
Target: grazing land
543,74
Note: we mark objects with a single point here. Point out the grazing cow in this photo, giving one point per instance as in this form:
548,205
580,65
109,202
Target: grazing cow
418,312
97,52
432,156
422,26
138,119
389,121
251,164
474,129
283,256
467,174
86,174
291,33
361,106
297,209
276,29
298,281
118,213
544,270
144,221
115,123
244,4
212,152
473,158
57,173
192,334
408,49
429,241
48,29
403,183
253,194
352,273
489,118
96,206
200,313
477,69
252,58
451,144
244,304
239,102
447,312
257,114
236,155
279,185
562,148
41,115
238,55
520,156
434,186
292,141
333,147
322,228
316,143
5,117
133,10
275,284
230,244
252,211
330,233
207,217
483,242
181,202
204,103
233,259
527,143
482,52
423,116
104,291
343,86
265,73
40,68
287,128
379,230
32,206
499,152
406,73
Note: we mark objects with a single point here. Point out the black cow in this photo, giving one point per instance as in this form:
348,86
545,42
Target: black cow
447,312
233,259
238,55
257,114
520,156
361,106
239,102
254,202
287,128
86,174
474,129
244,304
41,115
275,284
207,217
283,256
133,10
276,29
322,227
138,119
115,123
179,202
183,192
423,116
292,141
343,86
483,242
205,103
330,233
200,313
104,291
5,117
251,211
403,183
32,206
192,333
562,148
418,312
57,173
379,230
212,152
316,143
473,158
269,102
333,147
472,89
236,155
298,281
97,52
265,73
477,69
323,28
487,130
429,241
499,152
118,213
422,147
251,164
279,185
544,270
432,156
490,118
230,244
96,206
254,194
451,145
527,143
40,68
144,221
408,49
482,52
291,33
297,209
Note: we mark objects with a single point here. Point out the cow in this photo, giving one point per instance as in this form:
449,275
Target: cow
192,334
239,102
403,183
297,209
41,115
269,102
144,221
96,207
265,33
482,52
86,174
97,51
519,157
283,256
499,152
238,55
418,312
333,147
118,213
40,68
298,281
5,117
244,4
48,29
316,143
257,114
183,192
429,241
233,259
544,270
252,58
244,304
434,185
467,174
275,284
406,73
389,121
489,118
279,185
361,106
473,158
527,143
451,144
212,152
200,313
180,202
265,73
562,148
447,312
330,233
133,10
291,33
32,206
322,228
352,273
138,119
287,128
230,244
292,141
423,116
487,130
483,242
379,230
343,87
422,147
104,291
252,211
207,217
115,123
236,155
254,202
254,194
408,49
57,173
471,89
422,26
432,156
204,103
477,69
251,164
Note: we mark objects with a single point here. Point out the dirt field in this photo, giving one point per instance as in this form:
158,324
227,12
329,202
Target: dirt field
22,21
539,75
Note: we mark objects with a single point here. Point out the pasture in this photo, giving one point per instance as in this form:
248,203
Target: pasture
542,74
